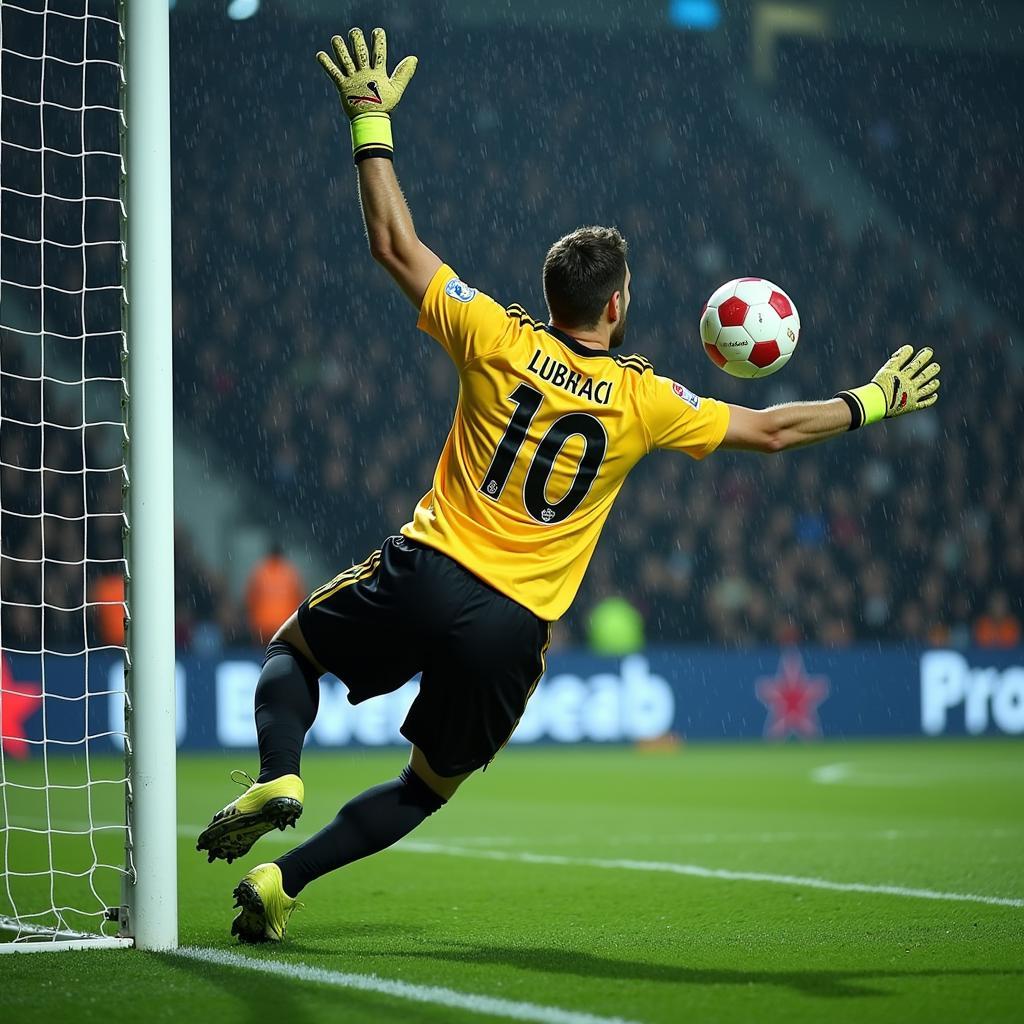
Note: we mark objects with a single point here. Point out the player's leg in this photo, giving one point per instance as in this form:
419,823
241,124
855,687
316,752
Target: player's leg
481,655
443,785
369,823
357,627
334,630
291,632
484,655
286,702
287,697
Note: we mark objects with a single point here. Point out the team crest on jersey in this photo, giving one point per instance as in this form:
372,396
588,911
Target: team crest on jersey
459,291
686,395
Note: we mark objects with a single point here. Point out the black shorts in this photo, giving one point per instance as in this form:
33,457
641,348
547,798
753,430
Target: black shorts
409,609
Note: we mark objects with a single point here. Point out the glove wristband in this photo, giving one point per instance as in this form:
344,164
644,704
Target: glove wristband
867,404
371,136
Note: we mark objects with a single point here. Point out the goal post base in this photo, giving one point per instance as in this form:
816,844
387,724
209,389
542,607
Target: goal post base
35,939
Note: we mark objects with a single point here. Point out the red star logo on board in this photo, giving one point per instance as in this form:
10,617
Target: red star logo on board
792,698
18,703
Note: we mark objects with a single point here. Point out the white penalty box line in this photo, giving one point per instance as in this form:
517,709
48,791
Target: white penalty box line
699,871
663,867
670,867
629,864
437,995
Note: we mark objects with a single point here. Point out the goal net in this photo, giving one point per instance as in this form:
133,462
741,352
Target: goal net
66,809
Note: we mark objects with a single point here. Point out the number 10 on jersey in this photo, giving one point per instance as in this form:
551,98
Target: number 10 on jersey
528,401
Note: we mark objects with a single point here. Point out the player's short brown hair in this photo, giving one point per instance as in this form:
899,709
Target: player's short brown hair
581,272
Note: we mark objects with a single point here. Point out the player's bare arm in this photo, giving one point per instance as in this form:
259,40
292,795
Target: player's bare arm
368,94
390,231
792,425
906,382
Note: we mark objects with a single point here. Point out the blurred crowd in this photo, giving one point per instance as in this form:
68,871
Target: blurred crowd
938,134
296,353
60,528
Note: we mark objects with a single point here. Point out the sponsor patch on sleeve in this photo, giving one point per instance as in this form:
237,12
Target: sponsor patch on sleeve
686,395
459,291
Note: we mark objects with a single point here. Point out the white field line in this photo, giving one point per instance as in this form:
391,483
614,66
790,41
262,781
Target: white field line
291,837
683,838
671,867
828,774
749,838
698,871
436,995
848,773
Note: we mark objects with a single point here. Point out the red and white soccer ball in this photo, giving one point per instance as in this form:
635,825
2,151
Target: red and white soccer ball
749,327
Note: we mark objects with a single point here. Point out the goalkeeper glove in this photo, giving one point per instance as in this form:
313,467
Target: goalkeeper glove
367,92
902,385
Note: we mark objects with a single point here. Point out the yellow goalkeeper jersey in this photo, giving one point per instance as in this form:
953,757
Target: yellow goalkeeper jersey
545,432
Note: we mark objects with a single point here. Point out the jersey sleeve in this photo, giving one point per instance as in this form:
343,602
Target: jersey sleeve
676,418
466,322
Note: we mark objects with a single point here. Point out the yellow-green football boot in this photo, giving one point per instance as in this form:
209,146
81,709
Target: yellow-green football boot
262,807
264,906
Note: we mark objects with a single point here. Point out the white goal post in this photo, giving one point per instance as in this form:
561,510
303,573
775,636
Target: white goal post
88,837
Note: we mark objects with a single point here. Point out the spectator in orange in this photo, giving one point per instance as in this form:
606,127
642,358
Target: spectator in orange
998,627
108,599
273,592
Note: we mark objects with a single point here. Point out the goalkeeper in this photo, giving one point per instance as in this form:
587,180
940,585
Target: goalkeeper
551,418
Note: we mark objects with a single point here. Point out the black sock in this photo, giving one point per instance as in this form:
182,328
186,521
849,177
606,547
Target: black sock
287,697
367,824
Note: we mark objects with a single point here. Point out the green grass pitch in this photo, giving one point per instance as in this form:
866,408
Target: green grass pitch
553,880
